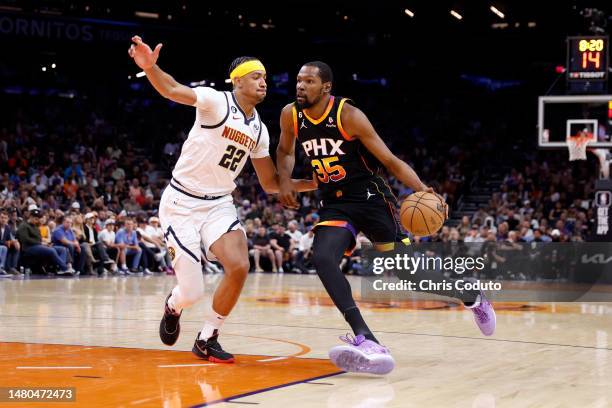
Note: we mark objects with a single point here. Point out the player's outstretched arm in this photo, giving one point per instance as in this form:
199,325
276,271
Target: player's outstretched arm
167,86
285,159
357,124
269,178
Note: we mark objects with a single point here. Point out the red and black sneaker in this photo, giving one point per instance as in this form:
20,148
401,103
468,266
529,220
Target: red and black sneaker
170,326
211,350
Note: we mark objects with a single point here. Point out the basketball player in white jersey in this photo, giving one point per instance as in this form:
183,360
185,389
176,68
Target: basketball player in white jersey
196,209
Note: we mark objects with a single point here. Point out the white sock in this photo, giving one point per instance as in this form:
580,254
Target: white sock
123,266
476,303
171,303
213,322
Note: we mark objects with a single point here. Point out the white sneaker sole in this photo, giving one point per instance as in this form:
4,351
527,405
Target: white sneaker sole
354,360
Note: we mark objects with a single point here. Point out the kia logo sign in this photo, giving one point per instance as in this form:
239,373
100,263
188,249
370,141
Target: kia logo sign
596,259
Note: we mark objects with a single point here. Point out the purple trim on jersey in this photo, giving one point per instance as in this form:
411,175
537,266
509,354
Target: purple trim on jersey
224,119
246,120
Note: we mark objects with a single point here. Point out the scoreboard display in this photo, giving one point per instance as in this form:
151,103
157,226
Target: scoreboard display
587,58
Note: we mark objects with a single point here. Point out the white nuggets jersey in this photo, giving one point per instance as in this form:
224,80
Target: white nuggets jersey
218,144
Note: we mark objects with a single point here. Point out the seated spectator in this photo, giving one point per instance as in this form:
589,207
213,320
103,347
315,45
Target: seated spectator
78,227
14,219
107,237
295,234
151,248
75,207
45,230
74,171
9,247
502,231
155,230
98,249
304,251
464,227
353,263
128,241
280,243
476,238
63,236
261,246
35,252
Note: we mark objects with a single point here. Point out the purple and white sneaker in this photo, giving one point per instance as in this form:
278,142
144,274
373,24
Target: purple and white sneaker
360,355
484,315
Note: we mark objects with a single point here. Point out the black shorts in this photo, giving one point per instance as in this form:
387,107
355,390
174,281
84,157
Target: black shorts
373,214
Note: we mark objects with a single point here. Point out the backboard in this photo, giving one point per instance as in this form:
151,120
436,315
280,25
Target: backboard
568,115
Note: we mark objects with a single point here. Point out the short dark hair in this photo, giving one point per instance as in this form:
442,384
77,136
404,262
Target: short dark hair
238,61
325,72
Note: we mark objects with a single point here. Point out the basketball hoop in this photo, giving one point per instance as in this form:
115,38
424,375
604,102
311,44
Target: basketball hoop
577,145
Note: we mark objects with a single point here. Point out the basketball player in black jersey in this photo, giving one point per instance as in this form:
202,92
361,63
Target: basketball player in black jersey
344,151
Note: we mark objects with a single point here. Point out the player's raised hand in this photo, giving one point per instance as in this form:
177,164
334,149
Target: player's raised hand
142,54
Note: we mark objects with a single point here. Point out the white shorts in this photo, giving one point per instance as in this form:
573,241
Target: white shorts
191,224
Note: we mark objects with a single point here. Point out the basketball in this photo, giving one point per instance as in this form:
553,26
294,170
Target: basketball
423,213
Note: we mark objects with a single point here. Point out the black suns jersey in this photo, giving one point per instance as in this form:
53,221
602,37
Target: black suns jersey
341,163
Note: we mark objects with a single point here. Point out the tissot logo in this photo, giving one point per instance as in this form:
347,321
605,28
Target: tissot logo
596,259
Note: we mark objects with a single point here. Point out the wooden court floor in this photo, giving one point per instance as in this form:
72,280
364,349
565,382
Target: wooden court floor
99,335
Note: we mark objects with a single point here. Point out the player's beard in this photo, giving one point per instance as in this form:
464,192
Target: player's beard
304,105
308,103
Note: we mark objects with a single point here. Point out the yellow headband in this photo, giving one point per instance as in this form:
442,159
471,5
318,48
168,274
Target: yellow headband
246,68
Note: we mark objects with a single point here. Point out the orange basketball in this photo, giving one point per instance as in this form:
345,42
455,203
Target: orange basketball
423,214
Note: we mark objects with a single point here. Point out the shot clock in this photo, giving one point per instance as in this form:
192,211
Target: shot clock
587,58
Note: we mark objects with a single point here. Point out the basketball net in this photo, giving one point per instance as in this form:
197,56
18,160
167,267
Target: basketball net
577,145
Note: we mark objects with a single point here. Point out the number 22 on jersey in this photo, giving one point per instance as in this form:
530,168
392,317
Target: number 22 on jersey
327,170
232,157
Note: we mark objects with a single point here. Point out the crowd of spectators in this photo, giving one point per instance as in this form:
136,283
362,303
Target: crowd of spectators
79,193
542,202
73,243
545,201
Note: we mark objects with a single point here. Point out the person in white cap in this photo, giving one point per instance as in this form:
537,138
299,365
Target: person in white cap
97,247
107,237
196,209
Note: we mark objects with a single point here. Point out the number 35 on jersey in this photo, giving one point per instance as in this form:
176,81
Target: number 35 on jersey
326,168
